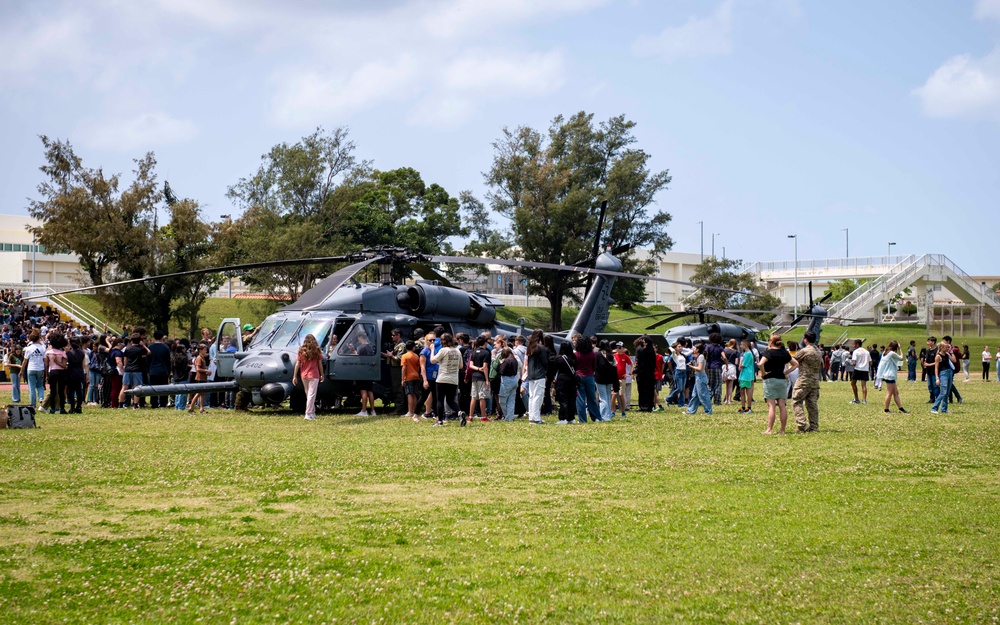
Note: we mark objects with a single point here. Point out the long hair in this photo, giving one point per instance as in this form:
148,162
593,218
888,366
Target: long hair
309,349
584,346
537,337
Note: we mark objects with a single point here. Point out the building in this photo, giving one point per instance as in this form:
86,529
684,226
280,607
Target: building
26,264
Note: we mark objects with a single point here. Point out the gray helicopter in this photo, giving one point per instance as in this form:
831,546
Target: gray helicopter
352,322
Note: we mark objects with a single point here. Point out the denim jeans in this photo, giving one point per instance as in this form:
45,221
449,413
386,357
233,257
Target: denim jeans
701,394
586,400
508,396
911,370
36,387
680,378
932,385
180,402
94,393
15,387
604,393
941,403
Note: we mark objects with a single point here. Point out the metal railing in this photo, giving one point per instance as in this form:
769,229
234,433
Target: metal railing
859,296
860,262
78,313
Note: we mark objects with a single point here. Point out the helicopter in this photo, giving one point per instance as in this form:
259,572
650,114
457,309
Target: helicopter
351,320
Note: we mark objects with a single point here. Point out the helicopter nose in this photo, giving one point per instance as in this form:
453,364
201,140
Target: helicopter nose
259,370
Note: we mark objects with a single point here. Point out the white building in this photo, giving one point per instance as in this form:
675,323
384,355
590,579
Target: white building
24,263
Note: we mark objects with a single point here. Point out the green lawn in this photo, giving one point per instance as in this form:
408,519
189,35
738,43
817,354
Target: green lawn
160,516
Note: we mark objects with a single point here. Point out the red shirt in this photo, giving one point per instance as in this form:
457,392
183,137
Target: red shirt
309,369
658,375
622,360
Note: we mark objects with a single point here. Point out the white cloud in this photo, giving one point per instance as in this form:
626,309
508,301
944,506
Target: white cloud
964,87
145,131
699,36
463,18
988,9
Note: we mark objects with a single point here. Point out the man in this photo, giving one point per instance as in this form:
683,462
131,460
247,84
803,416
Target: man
134,354
929,356
835,359
479,362
394,357
861,361
954,395
911,362
159,367
806,389
716,359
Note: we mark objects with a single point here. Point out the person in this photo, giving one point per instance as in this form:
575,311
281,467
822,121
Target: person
55,371
659,377
393,356
955,396
507,370
94,360
775,363
76,375
428,373
520,349
929,362
847,366
14,362
793,374
701,395
715,355
605,376
34,356
114,384
746,378
586,362
911,362
678,361
888,371
623,361
566,383
309,369
945,364
966,358
159,366
861,361
493,376
202,362
364,347
645,372
181,365
480,361
538,359
132,377
986,363
449,361
409,363
805,393
465,375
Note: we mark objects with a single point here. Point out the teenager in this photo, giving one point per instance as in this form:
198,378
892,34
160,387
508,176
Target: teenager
309,369
775,363
888,371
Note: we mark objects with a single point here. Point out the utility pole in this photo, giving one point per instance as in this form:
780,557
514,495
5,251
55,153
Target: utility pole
847,242
796,237
702,224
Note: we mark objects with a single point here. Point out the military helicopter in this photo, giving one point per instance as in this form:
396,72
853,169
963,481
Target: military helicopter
352,320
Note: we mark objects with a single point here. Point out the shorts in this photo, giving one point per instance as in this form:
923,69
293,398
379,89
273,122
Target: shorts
775,388
480,389
132,378
412,387
364,385
616,386
860,376
746,383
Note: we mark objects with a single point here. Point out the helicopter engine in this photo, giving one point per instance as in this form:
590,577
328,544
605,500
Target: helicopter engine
427,299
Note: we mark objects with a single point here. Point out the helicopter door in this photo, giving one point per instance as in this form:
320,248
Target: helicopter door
227,342
357,356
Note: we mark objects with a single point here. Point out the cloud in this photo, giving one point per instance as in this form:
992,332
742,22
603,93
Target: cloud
964,87
463,18
988,9
145,131
699,36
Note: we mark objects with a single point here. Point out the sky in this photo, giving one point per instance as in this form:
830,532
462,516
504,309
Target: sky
774,117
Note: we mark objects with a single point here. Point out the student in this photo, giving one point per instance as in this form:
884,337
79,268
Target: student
14,366
309,368
701,395
449,361
775,364
986,363
201,367
410,364
945,364
623,361
746,378
888,371
566,383
861,361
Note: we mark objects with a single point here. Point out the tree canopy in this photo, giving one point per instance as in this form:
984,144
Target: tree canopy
723,272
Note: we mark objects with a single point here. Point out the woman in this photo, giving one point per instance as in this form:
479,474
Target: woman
586,363
94,373
34,358
623,362
76,375
180,363
115,372
448,358
966,357
536,368
605,375
507,374
14,366
944,371
309,369
201,367
773,363
428,371
986,363
746,378
494,377
700,394
566,383
55,367
730,374
645,372
888,370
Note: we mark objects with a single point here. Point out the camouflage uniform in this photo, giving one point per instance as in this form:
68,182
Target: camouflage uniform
806,389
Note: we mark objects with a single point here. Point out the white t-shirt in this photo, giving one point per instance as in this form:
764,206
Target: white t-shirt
986,355
680,361
861,359
34,355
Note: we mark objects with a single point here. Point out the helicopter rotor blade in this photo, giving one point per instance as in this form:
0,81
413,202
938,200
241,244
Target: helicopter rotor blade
667,320
326,287
428,273
470,260
757,327
195,272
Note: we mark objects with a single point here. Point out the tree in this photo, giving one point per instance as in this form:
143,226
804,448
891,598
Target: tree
721,272
551,187
842,288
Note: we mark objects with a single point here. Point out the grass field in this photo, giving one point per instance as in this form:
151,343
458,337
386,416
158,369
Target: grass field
161,516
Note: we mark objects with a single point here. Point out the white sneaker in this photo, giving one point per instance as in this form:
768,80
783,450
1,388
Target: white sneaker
310,418
409,415
362,414
371,414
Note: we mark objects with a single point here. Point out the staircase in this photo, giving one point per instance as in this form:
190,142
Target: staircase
864,301
67,308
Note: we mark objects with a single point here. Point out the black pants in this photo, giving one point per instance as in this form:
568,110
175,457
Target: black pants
398,396
566,396
446,401
431,388
647,384
74,392
57,387
986,370
157,401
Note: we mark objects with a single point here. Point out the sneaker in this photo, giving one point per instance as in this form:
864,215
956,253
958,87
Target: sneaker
864,402
748,411
934,411
310,418
363,413
484,419
561,422
885,410
904,411
945,412
409,415
462,418
428,415
371,413
438,424
624,415
536,422
854,401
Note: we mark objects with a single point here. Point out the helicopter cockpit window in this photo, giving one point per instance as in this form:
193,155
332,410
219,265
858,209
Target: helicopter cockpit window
359,341
266,330
319,328
284,333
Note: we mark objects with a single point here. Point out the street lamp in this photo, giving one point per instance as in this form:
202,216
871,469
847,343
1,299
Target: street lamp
714,234
888,262
796,237
702,224
847,242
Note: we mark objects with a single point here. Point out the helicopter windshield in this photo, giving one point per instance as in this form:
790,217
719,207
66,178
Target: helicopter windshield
266,330
285,332
319,328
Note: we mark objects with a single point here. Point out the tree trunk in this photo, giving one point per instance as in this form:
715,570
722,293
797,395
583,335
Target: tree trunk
555,307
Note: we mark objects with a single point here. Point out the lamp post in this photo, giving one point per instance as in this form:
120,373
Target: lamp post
847,242
796,237
723,252
714,234
702,224
888,262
